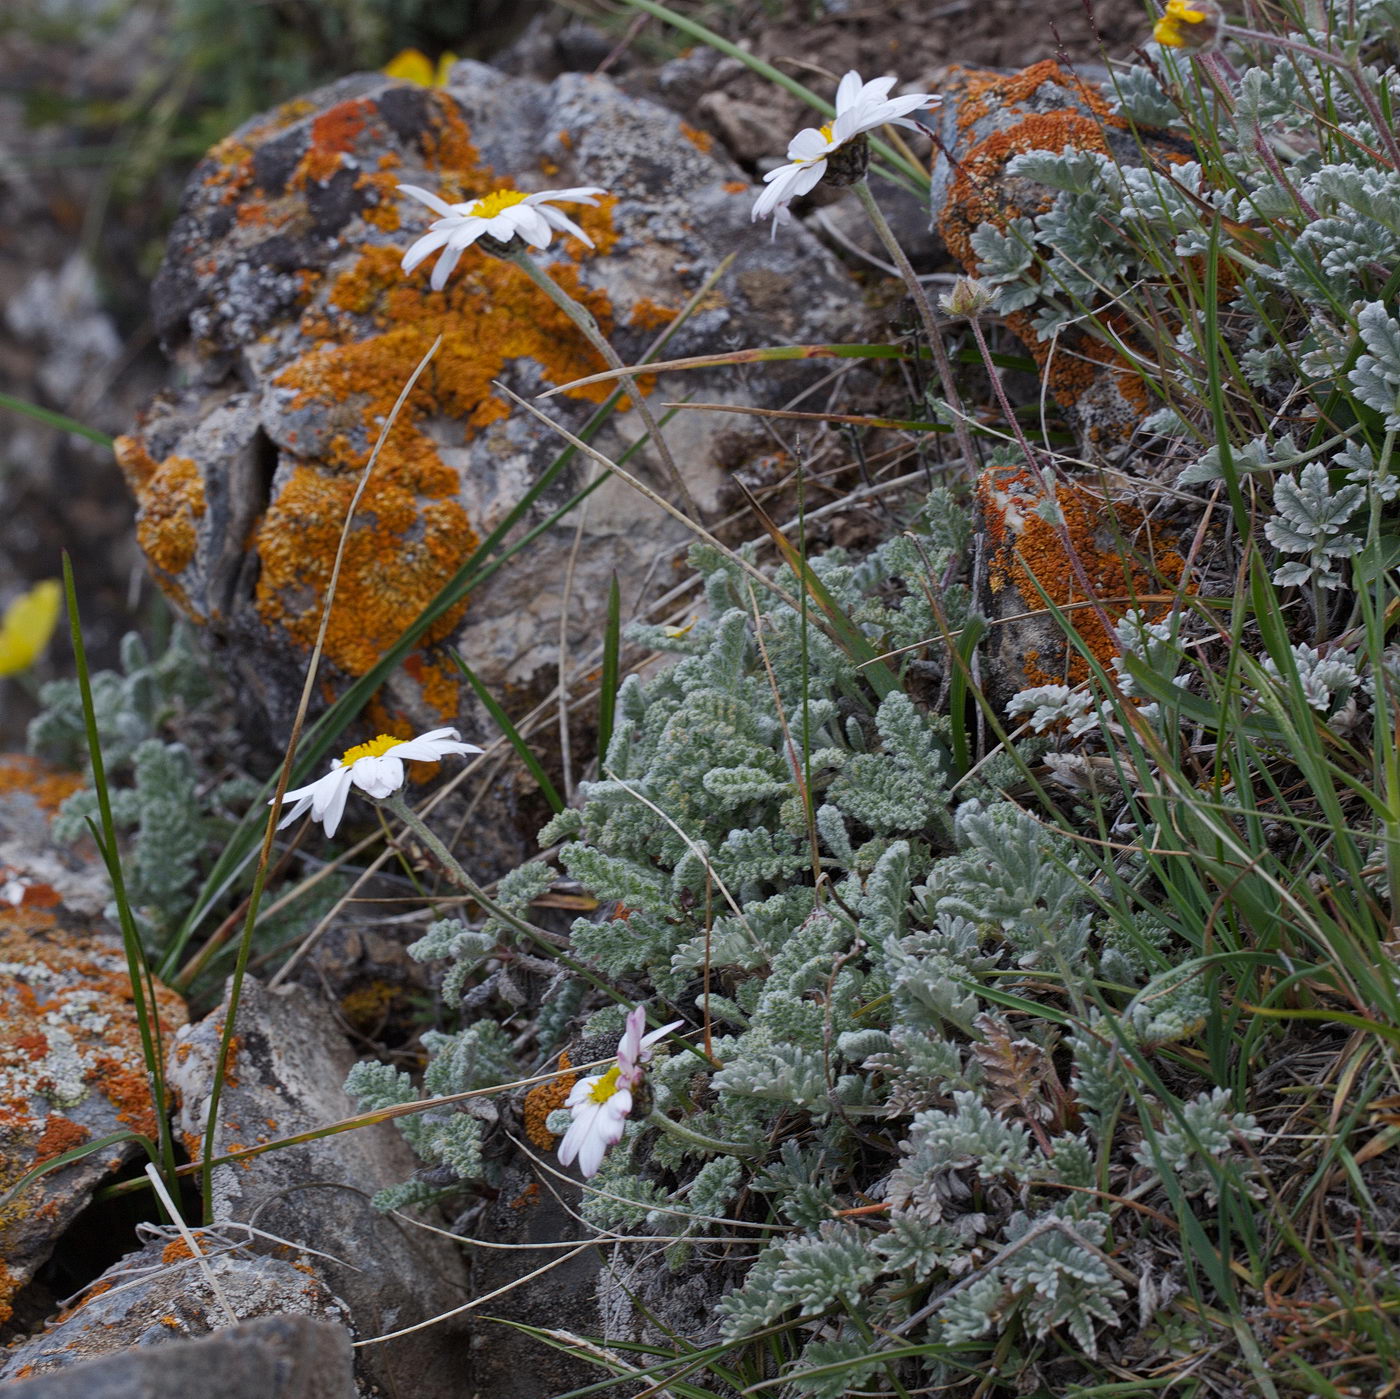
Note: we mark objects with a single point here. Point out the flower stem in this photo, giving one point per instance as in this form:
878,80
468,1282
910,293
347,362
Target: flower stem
454,871
931,331
582,317
699,1139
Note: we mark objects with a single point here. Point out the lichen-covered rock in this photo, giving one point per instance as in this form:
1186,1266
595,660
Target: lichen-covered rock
161,1293
71,1065
284,305
283,1077
986,120
1129,562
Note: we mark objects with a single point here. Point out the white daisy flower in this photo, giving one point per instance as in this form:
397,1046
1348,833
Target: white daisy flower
376,768
860,107
503,214
601,1103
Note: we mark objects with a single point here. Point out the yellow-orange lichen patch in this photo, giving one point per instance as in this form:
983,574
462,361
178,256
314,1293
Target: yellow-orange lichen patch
60,1134
383,209
437,679
647,314
447,146
701,140
1027,554
398,554
543,1099
976,195
46,786
985,92
172,503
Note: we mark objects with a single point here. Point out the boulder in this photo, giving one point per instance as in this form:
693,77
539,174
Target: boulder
288,1356
71,1064
160,1297
284,1075
293,329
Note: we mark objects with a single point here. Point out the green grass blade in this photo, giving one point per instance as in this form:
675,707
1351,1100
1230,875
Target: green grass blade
144,1004
513,735
51,419
77,1153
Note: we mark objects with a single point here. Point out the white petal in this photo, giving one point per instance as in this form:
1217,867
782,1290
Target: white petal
430,747
650,1039
876,90
847,91
532,225
580,1129
808,144
555,219
431,240
426,196
379,776
334,807
580,194
445,267
466,230
293,811
786,183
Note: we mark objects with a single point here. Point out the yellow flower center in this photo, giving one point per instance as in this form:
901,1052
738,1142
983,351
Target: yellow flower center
489,205
606,1086
375,748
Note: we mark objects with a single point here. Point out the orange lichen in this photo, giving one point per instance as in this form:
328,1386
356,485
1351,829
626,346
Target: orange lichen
646,314
398,554
701,140
737,187
985,92
172,503
1028,554
438,683
543,1099
47,787
527,1197
976,195
383,210
447,143
60,1134
177,1250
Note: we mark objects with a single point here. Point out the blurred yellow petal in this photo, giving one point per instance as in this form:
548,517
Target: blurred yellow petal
412,66
27,626
675,632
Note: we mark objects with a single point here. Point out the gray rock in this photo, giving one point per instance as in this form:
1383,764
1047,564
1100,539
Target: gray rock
287,1356
293,328
161,1296
71,1065
285,1079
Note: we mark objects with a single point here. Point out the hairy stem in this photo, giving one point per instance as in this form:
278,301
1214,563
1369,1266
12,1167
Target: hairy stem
931,332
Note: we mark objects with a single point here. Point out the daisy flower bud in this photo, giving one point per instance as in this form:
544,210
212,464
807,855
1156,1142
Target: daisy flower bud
376,768
968,297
